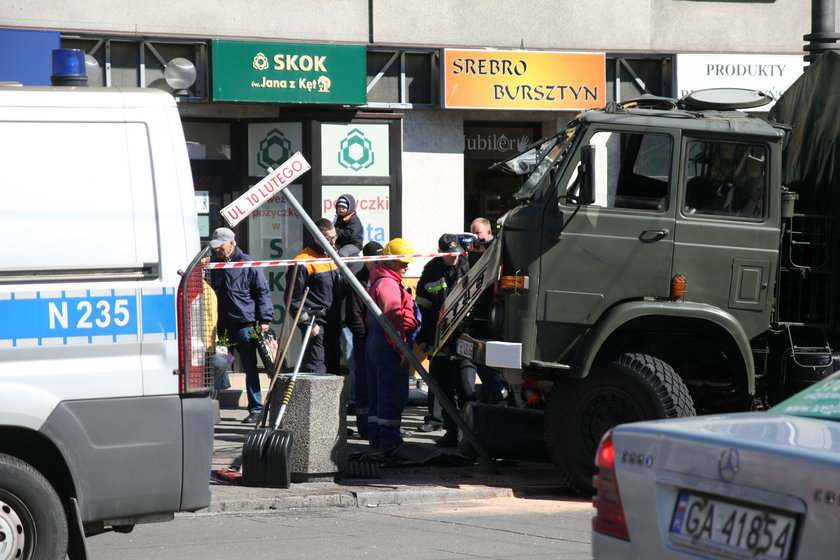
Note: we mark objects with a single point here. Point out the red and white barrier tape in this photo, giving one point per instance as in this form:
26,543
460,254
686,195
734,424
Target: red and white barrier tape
291,262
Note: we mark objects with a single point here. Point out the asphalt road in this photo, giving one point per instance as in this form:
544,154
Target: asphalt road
538,527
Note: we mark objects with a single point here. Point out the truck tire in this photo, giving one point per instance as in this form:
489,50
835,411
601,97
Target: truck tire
630,388
33,523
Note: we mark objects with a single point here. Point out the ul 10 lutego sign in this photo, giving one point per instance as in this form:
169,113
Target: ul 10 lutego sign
272,184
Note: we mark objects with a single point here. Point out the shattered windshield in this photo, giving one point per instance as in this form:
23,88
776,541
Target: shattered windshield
539,159
526,161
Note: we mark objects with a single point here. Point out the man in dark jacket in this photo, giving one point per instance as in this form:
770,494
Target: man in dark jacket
354,316
323,352
244,301
454,374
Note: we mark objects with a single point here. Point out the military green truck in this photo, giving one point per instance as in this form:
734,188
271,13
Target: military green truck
667,258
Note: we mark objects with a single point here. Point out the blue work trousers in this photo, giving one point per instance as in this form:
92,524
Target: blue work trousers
360,386
387,390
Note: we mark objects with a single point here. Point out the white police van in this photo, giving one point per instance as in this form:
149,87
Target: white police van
104,417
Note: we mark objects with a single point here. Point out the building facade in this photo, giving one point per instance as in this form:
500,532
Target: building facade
405,105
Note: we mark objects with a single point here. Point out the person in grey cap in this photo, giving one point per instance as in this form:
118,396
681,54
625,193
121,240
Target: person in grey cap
244,303
354,317
454,374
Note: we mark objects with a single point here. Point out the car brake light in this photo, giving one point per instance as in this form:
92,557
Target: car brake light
609,517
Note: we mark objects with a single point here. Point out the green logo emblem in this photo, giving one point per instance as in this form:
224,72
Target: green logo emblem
274,149
356,151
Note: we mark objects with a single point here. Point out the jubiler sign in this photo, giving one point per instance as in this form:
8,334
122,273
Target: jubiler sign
484,79
289,73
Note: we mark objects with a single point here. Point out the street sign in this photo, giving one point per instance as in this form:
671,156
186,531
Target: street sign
272,184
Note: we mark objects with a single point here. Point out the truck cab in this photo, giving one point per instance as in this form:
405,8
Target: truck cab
639,269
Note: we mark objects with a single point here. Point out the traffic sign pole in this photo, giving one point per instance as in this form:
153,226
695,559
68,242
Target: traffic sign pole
444,399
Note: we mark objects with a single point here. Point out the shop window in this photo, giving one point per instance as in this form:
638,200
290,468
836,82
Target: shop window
629,78
131,62
207,140
401,78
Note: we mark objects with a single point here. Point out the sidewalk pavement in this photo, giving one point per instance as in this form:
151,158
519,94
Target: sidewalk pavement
399,484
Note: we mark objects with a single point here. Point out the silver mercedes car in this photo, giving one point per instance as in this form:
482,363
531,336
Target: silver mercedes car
753,485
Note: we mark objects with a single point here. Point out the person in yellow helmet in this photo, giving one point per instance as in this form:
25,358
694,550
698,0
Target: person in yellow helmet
387,371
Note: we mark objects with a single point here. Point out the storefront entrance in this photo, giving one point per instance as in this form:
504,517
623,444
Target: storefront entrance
490,193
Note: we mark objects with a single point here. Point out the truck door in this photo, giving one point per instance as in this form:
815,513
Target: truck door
618,248
725,241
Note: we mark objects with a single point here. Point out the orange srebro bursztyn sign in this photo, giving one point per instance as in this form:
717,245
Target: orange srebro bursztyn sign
480,79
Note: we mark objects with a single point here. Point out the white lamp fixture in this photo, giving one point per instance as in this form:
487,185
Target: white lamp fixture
93,71
180,75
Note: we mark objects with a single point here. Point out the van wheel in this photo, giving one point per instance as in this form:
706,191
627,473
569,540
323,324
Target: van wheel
630,388
32,520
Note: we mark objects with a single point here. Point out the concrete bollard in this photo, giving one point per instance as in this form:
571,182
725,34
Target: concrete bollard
315,414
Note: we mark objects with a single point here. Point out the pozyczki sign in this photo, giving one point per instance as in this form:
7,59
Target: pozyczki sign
272,184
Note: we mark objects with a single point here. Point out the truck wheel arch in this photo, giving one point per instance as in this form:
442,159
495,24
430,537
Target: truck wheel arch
633,387
624,313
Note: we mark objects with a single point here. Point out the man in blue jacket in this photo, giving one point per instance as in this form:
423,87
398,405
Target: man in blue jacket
244,305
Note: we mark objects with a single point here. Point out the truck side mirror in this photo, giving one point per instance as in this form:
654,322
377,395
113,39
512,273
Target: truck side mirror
586,176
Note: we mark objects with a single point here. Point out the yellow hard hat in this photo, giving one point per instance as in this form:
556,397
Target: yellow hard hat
399,246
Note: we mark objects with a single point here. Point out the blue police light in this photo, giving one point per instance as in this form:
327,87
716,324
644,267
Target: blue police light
68,67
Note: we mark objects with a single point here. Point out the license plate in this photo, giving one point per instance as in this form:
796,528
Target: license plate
464,348
731,530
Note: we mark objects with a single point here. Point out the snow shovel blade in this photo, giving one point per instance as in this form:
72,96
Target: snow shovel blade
266,458
266,452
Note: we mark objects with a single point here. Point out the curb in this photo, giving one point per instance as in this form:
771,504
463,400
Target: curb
352,498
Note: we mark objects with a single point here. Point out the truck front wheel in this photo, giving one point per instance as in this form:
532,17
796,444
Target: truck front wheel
630,388
32,520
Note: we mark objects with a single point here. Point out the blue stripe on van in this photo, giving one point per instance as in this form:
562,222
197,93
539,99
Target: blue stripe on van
54,318
159,316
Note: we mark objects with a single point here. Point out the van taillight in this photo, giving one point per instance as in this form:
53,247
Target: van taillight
609,515
196,333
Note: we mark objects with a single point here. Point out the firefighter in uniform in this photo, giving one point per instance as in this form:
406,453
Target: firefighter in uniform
455,375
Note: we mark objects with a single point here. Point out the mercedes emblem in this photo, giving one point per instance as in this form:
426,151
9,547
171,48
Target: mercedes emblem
728,464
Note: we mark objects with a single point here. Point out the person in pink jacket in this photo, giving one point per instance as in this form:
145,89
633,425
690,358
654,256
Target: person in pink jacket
387,369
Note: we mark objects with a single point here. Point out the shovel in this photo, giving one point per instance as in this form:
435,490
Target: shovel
278,362
266,452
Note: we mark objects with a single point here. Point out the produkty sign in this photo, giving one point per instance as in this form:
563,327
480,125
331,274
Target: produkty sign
272,184
771,74
533,80
289,73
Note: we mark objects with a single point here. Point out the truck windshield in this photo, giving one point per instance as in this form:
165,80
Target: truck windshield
541,159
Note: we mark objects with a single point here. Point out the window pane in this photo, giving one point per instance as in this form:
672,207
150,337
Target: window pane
726,179
207,140
632,170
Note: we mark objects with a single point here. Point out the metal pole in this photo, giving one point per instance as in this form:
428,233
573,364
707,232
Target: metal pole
822,37
390,330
